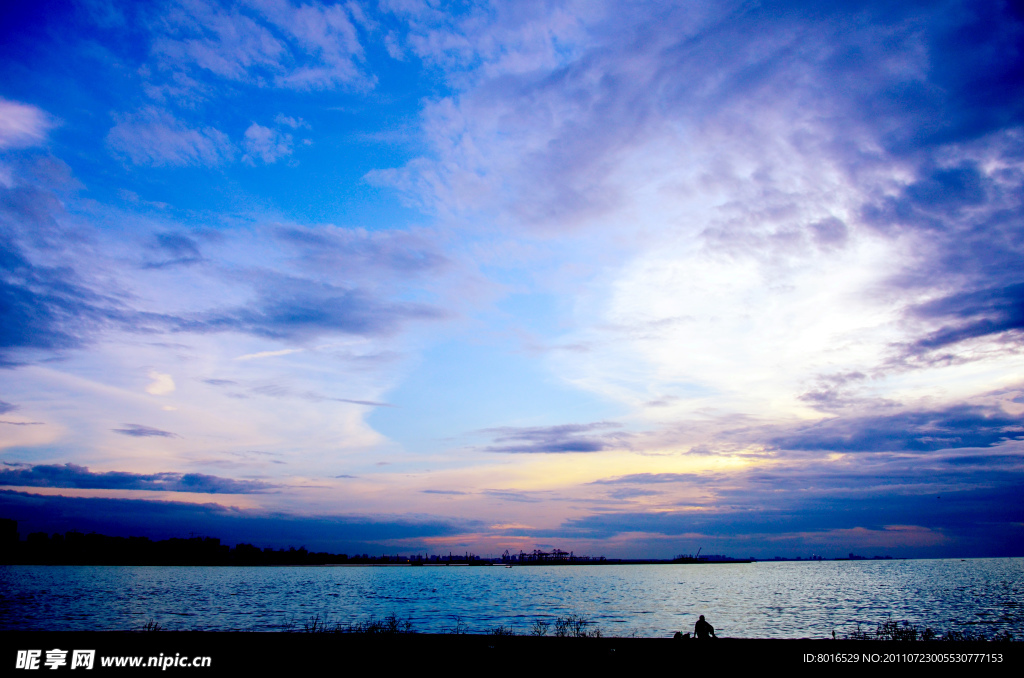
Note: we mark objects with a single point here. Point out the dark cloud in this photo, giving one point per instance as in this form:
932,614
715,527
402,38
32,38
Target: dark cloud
164,520
220,382
302,309
555,439
960,521
7,407
71,475
988,462
974,83
454,492
956,501
45,307
140,431
954,427
970,314
553,446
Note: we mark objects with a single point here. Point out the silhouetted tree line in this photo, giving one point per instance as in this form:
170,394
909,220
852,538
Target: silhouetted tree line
76,548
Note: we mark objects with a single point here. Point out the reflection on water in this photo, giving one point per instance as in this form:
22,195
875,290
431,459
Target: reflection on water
756,600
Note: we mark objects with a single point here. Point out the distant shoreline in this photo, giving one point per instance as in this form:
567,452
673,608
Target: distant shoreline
99,563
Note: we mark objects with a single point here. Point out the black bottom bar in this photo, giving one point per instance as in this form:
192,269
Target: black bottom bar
210,653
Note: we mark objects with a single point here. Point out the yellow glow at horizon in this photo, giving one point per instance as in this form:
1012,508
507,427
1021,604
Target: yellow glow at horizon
540,472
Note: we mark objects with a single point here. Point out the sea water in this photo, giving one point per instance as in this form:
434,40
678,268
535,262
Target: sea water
742,600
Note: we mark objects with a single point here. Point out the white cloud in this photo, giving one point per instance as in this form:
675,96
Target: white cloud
268,145
718,164
162,383
393,47
155,137
288,121
264,42
226,43
22,125
726,332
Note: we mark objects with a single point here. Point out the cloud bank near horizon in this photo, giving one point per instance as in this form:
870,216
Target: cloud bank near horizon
72,476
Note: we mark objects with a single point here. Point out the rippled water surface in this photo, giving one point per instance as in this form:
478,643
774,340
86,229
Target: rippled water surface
756,600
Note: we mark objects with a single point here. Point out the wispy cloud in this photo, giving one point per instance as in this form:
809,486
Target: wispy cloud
307,47
555,439
265,144
155,137
140,431
22,125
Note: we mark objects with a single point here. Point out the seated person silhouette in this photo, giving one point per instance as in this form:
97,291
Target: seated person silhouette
702,629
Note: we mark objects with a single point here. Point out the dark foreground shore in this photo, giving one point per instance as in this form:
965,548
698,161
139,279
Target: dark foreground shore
212,653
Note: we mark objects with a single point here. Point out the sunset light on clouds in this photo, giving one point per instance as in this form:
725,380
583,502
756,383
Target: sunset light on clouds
630,279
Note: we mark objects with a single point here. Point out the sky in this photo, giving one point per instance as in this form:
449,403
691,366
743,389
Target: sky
628,279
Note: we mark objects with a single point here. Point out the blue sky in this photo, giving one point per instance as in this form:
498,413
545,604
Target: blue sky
623,278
